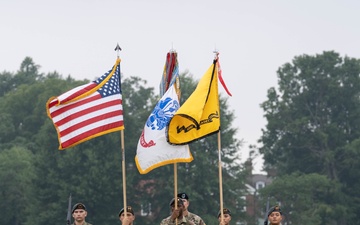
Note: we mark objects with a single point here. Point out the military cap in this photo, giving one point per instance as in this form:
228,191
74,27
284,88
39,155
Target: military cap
274,209
173,201
225,211
78,206
183,196
128,209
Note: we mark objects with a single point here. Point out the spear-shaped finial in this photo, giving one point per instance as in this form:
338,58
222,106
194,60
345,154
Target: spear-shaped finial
118,49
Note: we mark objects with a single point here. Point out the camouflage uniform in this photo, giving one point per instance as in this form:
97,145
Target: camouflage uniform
84,223
188,215
194,218
169,221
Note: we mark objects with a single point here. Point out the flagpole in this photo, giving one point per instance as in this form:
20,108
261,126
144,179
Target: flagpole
118,49
123,170
216,52
177,83
166,85
220,176
175,186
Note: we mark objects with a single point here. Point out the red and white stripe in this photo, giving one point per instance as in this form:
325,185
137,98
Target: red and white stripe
88,117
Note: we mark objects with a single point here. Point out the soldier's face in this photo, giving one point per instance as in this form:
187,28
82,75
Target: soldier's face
79,215
186,204
275,218
180,208
226,218
129,217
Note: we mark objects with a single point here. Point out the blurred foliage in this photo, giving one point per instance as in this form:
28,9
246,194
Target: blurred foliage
311,139
37,178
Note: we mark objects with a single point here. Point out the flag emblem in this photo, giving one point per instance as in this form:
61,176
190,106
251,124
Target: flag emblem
199,116
153,150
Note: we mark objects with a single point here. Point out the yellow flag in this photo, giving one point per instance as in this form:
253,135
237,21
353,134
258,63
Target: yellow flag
199,116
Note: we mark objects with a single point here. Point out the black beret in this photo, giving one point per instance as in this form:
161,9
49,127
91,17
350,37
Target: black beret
274,209
78,206
183,196
225,211
173,201
128,209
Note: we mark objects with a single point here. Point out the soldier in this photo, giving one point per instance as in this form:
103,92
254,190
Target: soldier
275,215
130,216
188,215
79,213
226,217
176,214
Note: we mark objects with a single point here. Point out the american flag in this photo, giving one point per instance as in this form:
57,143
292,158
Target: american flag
88,111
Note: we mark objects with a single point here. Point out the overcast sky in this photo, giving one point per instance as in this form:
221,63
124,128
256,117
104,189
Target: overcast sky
254,38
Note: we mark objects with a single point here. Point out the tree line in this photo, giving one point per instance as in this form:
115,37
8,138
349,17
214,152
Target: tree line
37,178
310,146
311,140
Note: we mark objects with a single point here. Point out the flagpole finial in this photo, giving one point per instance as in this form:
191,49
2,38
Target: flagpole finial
216,52
118,49
172,50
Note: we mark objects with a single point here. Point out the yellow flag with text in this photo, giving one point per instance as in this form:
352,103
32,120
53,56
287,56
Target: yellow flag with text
199,116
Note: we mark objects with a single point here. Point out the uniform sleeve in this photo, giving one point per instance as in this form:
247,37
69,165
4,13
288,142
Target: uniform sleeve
197,220
167,221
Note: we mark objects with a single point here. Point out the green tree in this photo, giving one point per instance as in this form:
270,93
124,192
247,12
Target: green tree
307,198
17,192
28,73
92,171
6,82
313,117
